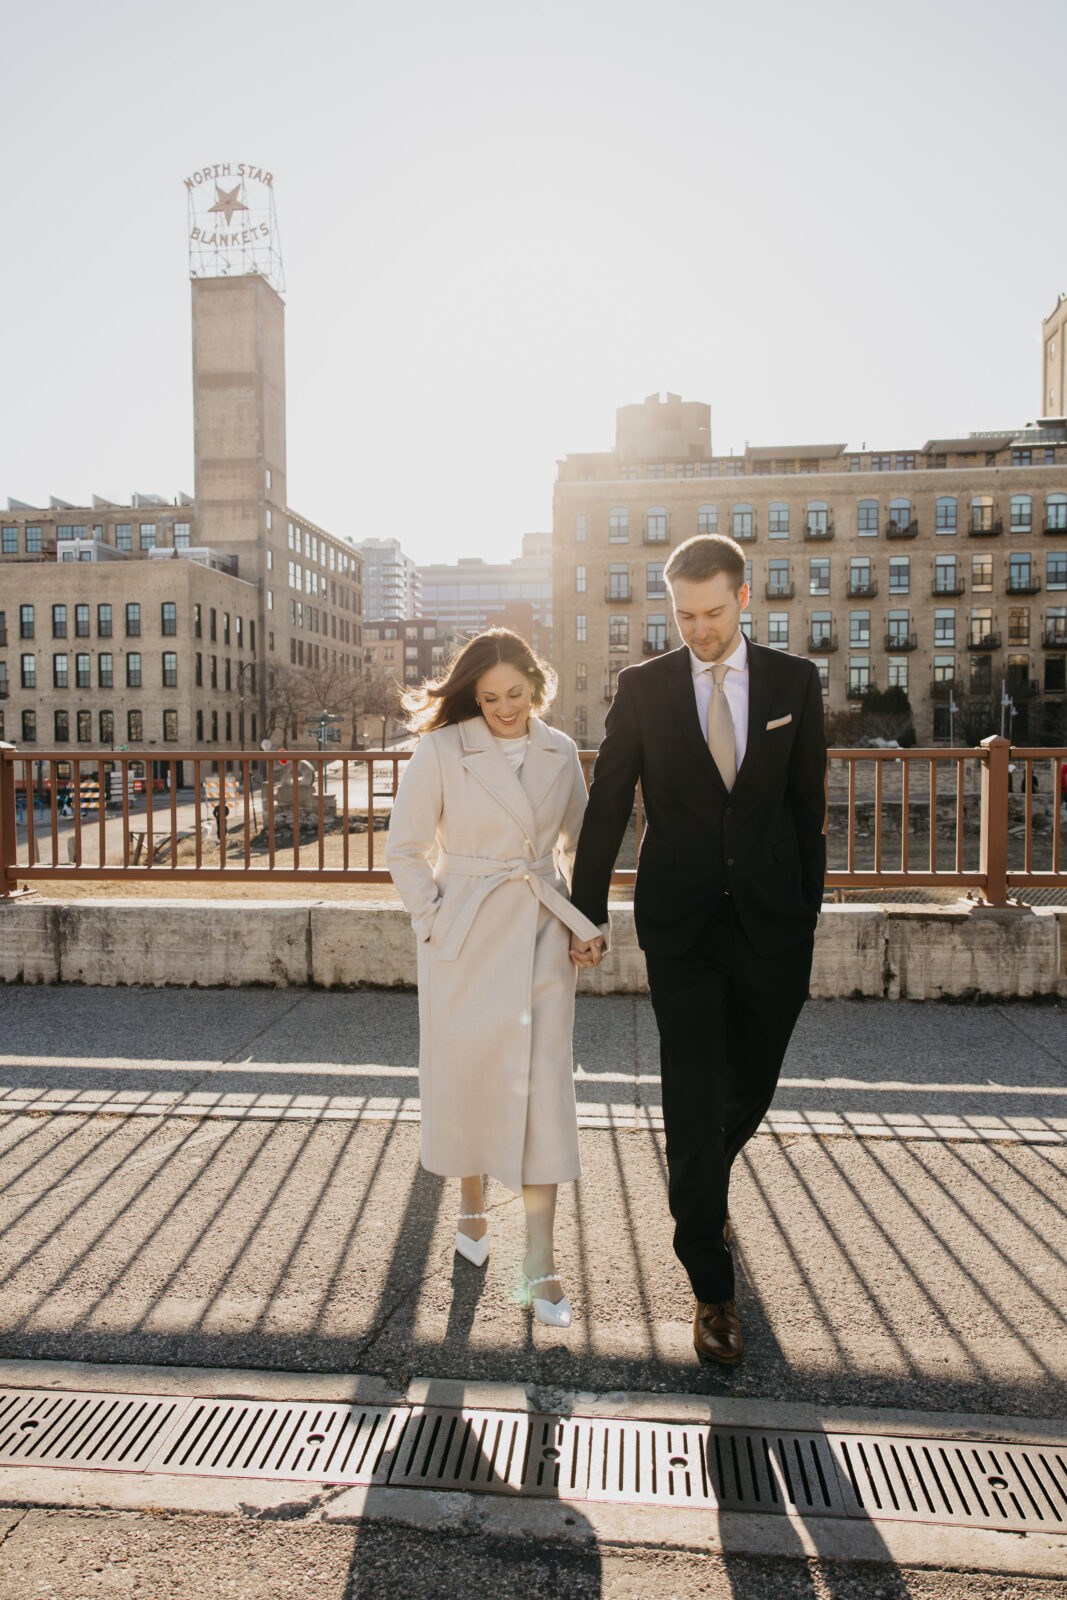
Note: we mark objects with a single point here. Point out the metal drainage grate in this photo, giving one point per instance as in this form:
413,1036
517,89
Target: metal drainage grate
263,1439
1019,1487
55,1428
493,1452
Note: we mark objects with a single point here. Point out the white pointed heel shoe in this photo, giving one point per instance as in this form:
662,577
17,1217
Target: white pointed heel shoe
476,1251
553,1313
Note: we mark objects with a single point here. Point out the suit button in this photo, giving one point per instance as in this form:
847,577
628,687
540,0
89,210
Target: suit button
729,861
729,811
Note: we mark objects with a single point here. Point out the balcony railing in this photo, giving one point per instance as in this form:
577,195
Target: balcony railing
862,588
941,688
986,530
822,644
1028,585
902,641
653,647
983,641
779,591
744,538
655,538
1056,528
1055,639
939,588
856,691
814,533
888,814
902,530
618,597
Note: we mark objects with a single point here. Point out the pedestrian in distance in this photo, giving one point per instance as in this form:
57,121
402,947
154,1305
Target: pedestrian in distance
220,813
727,740
497,797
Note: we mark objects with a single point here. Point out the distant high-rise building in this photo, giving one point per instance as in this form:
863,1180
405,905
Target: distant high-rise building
472,594
390,581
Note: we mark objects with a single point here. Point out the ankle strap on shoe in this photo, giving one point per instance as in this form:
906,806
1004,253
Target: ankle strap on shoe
549,1277
473,1216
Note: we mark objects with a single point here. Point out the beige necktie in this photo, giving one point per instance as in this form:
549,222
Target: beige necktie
721,727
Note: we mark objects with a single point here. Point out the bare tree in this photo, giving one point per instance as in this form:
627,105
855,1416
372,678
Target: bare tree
380,697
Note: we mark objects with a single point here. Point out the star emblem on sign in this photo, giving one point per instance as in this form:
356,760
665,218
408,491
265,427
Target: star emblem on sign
227,202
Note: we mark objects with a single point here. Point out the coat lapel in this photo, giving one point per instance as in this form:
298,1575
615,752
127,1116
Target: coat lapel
543,765
490,768
760,662
683,704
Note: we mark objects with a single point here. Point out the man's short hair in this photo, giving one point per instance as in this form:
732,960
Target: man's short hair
705,556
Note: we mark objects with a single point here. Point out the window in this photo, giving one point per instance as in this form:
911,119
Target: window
821,629
81,622
658,470
897,673
778,630
1020,513
170,727
944,627
134,727
123,536
819,575
945,516
181,536
29,672
898,626
59,622
904,463
619,583
1056,570
1019,625
33,541
105,670
944,669
655,583
859,675
1019,570
1055,674
579,722
656,631
778,577
778,520
85,727
656,525
11,542
213,624
981,572
579,580
822,667
133,669
1056,511
199,727
899,574
25,622
981,513
859,629
169,617
61,727
707,519
818,519
741,521
1020,458
66,531
619,525
215,719
106,724
618,633
133,620
83,671
60,672
581,676
580,528
900,515
746,625
881,463
981,674
867,518
29,727
225,627
859,576
148,535
579,628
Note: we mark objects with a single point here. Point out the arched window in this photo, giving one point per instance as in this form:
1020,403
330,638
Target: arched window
1020,513
946,514
818,519
619,525
778,520
867,519
899,514
707,519
741,522
982,513
1056,511
656,525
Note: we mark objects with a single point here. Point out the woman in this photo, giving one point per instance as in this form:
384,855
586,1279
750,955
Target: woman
498,795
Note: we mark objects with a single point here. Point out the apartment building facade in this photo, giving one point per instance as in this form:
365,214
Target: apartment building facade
940,569
470,595
390,581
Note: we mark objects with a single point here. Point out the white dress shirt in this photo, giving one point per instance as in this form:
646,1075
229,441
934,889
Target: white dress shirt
735,685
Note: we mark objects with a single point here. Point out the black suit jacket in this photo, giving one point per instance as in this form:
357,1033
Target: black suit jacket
763,841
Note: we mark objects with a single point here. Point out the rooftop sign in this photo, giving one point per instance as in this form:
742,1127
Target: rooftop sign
233,226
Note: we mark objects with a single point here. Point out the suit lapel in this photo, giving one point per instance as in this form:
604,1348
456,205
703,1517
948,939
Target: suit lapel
683,702
543,764
490,768
760,663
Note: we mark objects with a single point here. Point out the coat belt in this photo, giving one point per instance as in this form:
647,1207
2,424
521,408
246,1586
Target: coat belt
492,873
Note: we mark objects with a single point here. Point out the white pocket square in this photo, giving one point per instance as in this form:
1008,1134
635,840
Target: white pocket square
779,722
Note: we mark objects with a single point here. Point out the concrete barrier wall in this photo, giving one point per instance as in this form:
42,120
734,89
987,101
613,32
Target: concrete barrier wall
895,952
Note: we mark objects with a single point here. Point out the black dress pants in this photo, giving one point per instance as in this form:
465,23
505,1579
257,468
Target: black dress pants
725,1016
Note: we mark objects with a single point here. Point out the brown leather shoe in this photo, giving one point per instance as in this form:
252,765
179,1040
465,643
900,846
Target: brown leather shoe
717,1332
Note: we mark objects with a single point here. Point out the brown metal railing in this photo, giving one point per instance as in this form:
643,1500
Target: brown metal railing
948,818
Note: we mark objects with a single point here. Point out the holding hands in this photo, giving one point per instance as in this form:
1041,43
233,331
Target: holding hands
587,952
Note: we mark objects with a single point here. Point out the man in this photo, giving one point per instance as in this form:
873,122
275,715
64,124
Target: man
727,740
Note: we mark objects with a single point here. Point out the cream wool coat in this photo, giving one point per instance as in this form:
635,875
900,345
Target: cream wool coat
493,918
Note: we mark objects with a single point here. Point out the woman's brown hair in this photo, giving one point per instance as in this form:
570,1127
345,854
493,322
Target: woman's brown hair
443,701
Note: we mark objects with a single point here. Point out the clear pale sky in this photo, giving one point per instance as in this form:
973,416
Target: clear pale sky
832,222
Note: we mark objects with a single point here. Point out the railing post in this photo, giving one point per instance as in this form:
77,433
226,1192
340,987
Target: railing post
993,845
8,875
